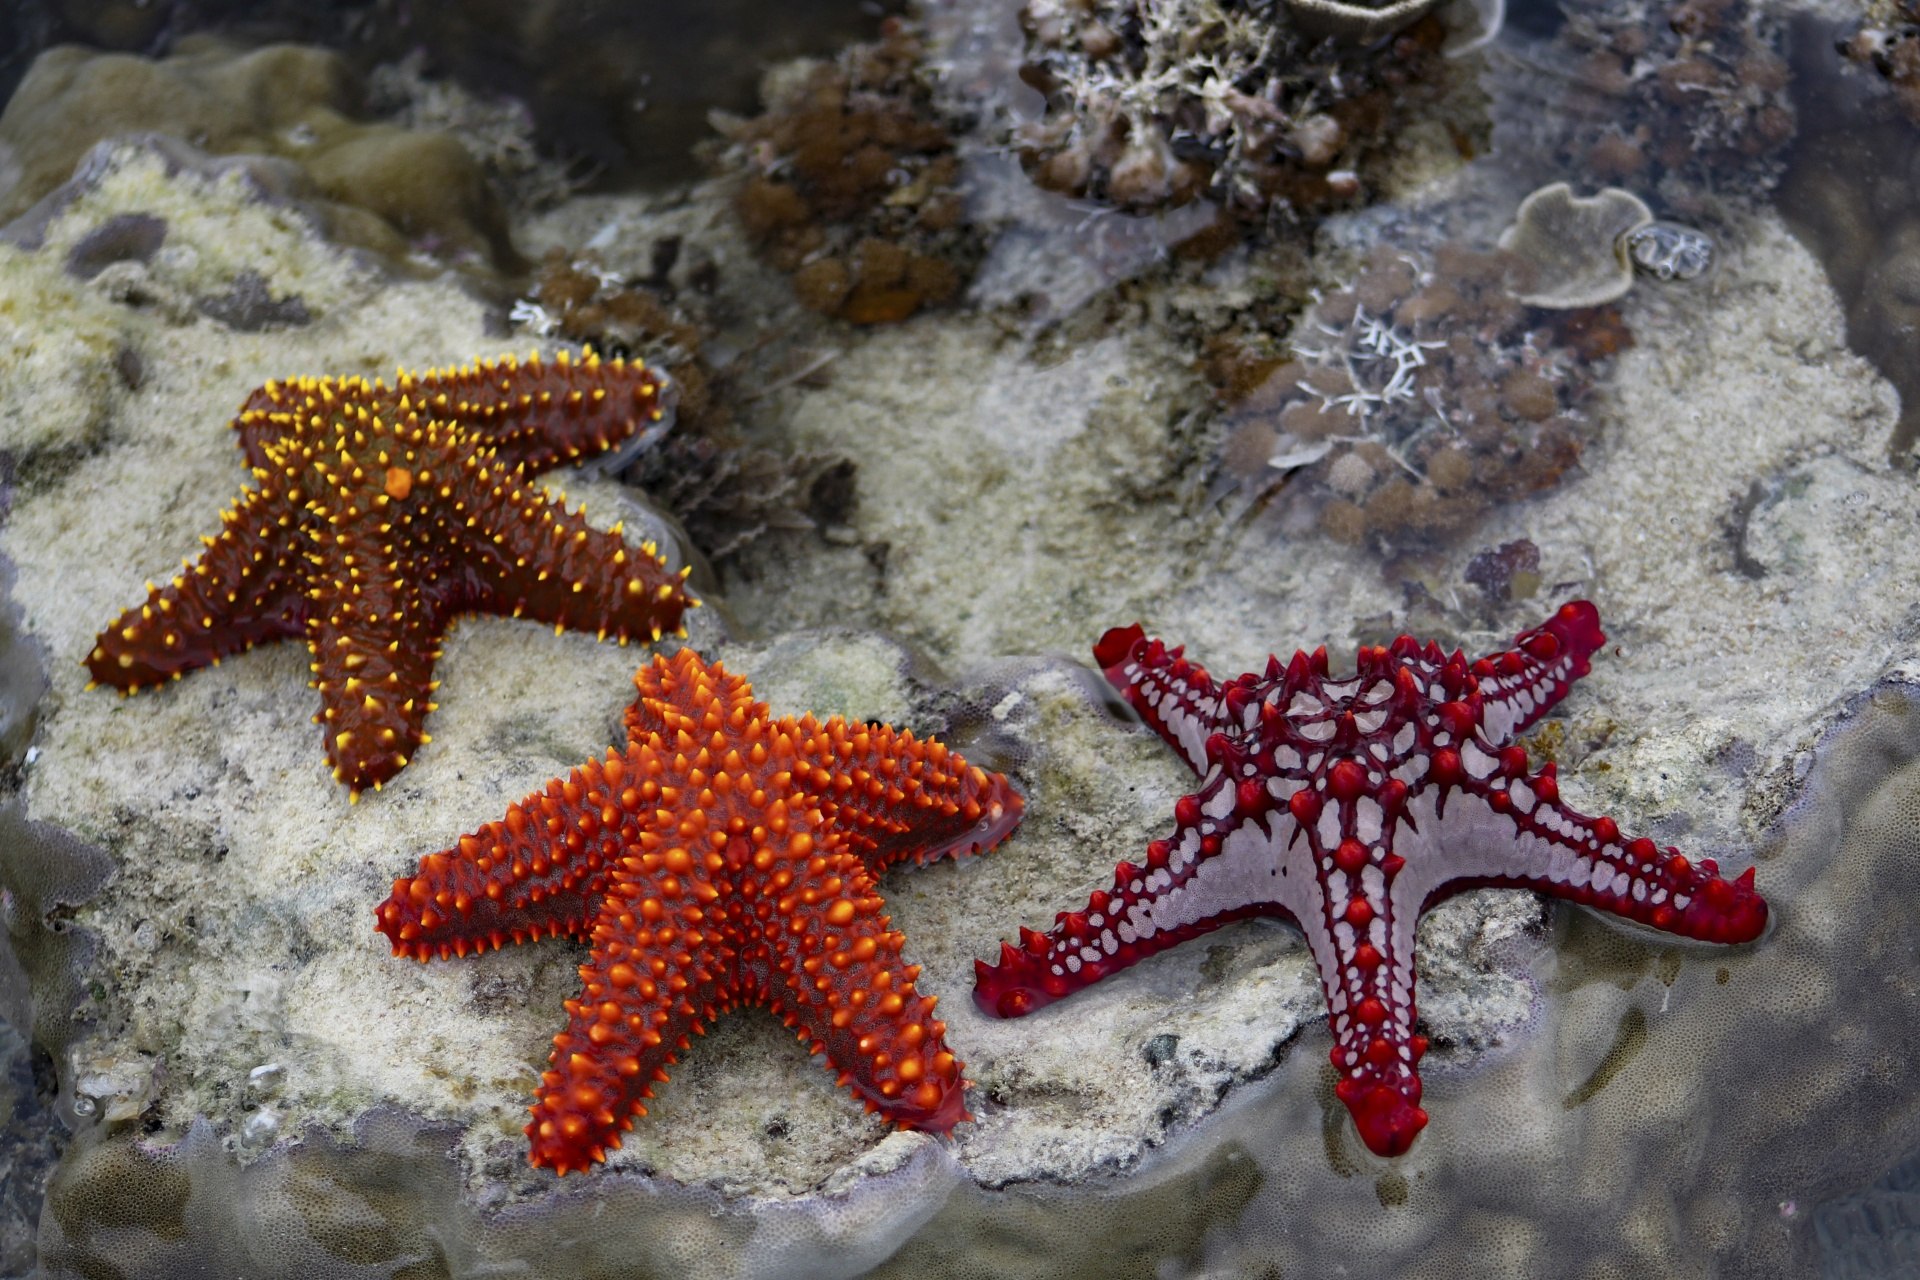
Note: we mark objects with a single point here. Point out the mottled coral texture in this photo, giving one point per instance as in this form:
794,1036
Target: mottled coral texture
850,184
1683,101
1406,404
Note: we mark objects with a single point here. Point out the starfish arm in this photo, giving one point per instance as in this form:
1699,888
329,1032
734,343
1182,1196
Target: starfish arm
895,797
832,970
636,1010
658,973
1367,972
1360,933
373,656
540,414
531,557
1519,685
1223,862
540,871
1485,821
277,410
1503,825
242,592
680,694
1177,698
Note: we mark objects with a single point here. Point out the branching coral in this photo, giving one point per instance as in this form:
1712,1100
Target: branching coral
1156,104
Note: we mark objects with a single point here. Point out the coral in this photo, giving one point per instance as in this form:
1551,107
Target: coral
574,297
725,492
850,184
1156,104
1584,251
383,514
622,93
1576,247
725,857
387,188
1410,400
1506,572
1684,100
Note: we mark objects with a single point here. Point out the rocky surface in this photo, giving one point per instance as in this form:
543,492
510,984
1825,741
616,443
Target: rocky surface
259,1087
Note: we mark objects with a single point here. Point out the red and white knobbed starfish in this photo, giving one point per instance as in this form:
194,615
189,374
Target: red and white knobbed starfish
1350,806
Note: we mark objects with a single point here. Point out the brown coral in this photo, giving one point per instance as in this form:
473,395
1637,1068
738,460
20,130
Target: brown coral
1892,48
1679,98
851,185
1410,401
374,184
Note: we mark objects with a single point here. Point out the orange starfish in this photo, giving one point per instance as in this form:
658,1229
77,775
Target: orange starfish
723,858
381,514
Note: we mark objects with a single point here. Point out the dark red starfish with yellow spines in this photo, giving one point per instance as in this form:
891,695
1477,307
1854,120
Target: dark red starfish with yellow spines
723,858
384,513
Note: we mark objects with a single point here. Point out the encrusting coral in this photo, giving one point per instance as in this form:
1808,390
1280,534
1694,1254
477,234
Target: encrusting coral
1685,100
1406,403
850,184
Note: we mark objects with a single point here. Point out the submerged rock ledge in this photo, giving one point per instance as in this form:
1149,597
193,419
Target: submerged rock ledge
271,1093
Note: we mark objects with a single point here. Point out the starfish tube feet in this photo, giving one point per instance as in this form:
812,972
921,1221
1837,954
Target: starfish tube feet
1348,806
725,857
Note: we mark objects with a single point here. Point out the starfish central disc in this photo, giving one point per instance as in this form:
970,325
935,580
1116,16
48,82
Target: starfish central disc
723,858
381,514
1349,806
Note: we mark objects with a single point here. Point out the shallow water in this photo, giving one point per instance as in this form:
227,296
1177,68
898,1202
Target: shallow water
1305,351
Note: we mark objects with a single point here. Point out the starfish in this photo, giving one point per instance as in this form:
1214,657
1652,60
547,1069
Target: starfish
381,514
1350,806
723,858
